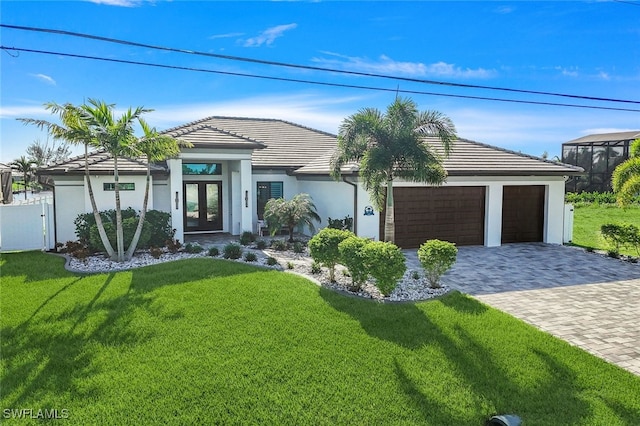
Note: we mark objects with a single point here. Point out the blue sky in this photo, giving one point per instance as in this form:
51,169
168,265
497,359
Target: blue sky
581,48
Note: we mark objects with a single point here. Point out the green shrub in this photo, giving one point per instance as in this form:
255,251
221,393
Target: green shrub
315,268
247,238
159,224
193,248
279,245
323,248
155,230
607,197
621,235
290,265
298,247
232,251
437,257
272,261
415,275
250,256
351,251
385,263
261,244
214,251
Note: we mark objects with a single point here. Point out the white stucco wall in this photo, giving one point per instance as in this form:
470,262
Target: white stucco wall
106,200
332,199
161,196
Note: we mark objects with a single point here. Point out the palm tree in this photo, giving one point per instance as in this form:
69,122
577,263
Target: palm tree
94,125
390,145
626,177
154,147
26,167
299,211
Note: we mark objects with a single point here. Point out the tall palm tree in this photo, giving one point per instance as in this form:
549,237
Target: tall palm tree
390,145
93,124
115,136
26,167
74,130
626,177
154,147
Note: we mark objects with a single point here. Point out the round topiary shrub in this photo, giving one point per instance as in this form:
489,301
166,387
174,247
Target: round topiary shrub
323,248
232,251
352,256
385,263
437,257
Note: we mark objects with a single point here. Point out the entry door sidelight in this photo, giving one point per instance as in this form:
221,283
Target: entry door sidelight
203,206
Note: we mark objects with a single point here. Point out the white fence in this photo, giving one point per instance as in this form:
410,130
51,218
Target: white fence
27,226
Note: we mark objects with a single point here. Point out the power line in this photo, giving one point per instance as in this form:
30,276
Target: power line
295,80
312,68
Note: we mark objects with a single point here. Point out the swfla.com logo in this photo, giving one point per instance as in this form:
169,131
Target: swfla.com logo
30,413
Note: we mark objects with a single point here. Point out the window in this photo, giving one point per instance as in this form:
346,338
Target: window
266,191
201,168
111,186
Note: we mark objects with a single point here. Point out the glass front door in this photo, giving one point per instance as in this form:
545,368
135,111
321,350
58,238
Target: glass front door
203,206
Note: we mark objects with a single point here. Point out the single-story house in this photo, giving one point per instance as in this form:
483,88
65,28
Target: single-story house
222,183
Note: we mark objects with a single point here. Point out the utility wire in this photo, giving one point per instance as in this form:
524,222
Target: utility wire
312,68
295,80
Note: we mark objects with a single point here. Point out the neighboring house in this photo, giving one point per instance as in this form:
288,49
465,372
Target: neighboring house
598,155
221,184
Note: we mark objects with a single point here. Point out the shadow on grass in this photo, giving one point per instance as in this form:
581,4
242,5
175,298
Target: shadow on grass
33,266
57,344
473,356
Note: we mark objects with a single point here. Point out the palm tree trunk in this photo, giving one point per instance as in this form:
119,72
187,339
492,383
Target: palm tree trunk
389,217
119,231
96,214
25,185
143,214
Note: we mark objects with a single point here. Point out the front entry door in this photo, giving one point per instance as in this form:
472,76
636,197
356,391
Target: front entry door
203,206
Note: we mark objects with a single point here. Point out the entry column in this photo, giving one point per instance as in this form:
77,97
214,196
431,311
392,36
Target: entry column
246,215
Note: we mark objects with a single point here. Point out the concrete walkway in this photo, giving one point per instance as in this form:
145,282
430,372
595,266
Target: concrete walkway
588,300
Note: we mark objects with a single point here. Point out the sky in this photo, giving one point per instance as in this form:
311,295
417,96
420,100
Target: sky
581,48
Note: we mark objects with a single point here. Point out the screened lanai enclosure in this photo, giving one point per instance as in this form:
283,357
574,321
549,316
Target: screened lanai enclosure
598,155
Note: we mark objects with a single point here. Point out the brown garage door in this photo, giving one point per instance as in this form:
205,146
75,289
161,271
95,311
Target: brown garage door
453,214
522,213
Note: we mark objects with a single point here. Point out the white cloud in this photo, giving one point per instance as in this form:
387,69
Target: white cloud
386,65
120,3
604,76
318,112
268,36
13,111
45,78
504,10
227,35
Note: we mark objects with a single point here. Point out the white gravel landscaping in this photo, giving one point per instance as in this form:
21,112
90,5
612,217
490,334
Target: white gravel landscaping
408,288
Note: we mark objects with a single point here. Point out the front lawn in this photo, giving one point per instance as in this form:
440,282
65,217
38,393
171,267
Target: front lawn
587,220
205,341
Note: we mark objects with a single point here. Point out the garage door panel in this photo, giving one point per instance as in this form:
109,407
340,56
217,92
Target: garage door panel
453,214
523,213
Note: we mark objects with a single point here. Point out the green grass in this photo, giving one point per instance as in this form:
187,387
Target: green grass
587,220
205,341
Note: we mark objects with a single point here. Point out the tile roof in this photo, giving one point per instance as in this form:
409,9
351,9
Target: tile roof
280,144
607,137
101,163
205,135
288,145
469,158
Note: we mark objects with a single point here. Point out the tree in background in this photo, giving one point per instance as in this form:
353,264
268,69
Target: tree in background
44,155
27,168
392,145
626,177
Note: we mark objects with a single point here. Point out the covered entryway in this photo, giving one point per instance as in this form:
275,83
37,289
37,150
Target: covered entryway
203,206
454,214
523,213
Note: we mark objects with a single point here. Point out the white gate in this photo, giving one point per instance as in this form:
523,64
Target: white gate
26,227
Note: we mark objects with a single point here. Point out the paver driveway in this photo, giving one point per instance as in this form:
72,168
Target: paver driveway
587,299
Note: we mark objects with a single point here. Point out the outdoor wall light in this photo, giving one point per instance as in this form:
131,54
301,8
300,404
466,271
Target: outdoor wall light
177,201
246,198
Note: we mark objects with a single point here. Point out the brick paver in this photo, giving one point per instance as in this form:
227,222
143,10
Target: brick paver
588,300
